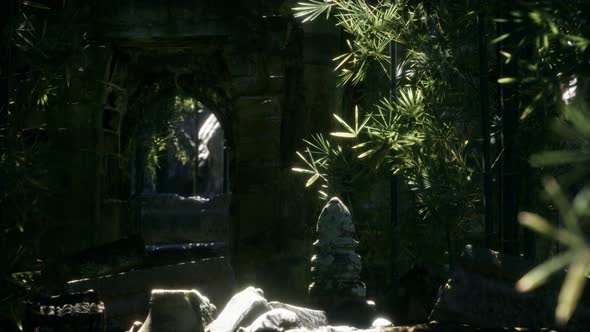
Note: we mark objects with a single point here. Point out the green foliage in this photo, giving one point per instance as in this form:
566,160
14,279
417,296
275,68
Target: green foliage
47,47
549,46
416,136
159,115
333,168
574,233
170,135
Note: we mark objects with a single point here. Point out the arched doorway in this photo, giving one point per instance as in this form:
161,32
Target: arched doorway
193,161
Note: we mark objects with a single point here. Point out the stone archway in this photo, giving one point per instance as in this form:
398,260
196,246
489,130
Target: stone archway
157,75
247,66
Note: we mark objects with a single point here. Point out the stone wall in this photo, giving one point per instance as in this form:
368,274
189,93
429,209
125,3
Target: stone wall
281,89
75,161
277,82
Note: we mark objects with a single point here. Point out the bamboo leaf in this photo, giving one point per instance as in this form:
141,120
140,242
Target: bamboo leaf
506,80
366,153
542,226
500,38
68,75
342,122
312,180
572,289
35,5
563,205
360,145
343,134
552,158
537,223
541,273
302,170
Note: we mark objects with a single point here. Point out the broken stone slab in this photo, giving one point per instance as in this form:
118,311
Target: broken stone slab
494,264
342,328
276,320
381,323
241,311
431,327
177,310
484,295
126,295
306,318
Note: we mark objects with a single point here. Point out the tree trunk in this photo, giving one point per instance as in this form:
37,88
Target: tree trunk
509,166
485,131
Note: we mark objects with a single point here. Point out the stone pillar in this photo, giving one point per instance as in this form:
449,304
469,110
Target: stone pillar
336,266
337,287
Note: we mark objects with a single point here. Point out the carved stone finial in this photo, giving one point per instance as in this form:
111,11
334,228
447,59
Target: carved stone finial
336,266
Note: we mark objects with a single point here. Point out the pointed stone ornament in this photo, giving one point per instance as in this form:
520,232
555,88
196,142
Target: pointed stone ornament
336,266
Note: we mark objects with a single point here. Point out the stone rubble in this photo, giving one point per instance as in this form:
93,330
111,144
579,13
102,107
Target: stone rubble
306,318
381,322
247,311
275,320
177,310
242,310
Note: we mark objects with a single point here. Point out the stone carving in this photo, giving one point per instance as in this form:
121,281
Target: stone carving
178,310
336,266
240,311
75,311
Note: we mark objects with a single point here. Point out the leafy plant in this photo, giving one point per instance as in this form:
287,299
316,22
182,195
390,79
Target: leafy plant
548,45
574,233
46,42
415,136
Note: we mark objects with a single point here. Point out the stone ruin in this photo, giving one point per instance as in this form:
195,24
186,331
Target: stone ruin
177,310
246,311
336,266
336,284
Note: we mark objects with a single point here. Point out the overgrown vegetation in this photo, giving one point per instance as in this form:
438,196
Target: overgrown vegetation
423,131
44,61
51,46
418,118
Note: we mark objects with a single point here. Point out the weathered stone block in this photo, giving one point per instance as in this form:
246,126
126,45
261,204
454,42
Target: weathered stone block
306,318
126,295
178,310
241,311
276,320
481,292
